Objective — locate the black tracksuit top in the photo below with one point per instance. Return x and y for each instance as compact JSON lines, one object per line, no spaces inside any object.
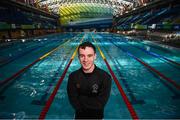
{"x":89,"y":91}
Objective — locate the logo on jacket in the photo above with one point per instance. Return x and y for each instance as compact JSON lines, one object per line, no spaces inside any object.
{"x":78,"y":85}
{"x":95,"y":88}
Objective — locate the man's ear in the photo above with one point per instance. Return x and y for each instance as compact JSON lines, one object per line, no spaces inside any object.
{"x":95,"y":56}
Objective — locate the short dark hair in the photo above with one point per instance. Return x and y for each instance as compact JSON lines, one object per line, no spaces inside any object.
{"x":86,"y":44}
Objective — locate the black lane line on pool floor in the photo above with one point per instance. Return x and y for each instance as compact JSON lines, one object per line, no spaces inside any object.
{"x":44,"y":97}
{"x":130,"y":92}
{"x":171,"y":88}
{"x":172,"y":63}
{"x":47,"y":106}
{"x":5,"y":84}
{"x":18,"y":56}
{"x":157,"y":47}
{"x":123,"y":94}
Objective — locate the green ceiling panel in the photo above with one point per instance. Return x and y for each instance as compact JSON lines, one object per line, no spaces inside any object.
{"x":81,"y":11}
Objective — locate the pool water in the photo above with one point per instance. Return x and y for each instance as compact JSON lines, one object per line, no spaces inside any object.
{"x":152,"y":96}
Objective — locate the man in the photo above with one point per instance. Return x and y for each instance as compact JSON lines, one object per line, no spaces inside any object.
{"x":88,"y":87}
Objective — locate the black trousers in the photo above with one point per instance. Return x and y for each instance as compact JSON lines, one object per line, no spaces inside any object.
{"x":89,"y":114}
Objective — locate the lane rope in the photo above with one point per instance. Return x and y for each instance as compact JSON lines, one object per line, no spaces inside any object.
{"x":43,"y":98}
{"x":53,"y":94}
{"x":2,"y":82}
{"x":176,"y":85}
{"x":21,"y":54}
{"x":124,"y":96}
{"x":133,"y":98}
{"x":154,"y":54}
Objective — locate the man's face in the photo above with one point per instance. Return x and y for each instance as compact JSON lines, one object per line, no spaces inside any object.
{"x":87,"y":57}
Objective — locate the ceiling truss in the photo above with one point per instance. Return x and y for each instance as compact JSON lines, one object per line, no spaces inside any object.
{"x":117,"y":6}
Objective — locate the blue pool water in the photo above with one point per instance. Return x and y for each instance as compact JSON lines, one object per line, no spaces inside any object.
{"x":150,"y":95}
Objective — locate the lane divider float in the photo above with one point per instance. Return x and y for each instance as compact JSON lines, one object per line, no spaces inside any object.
{"x":133,"y":99}
{"x":124,"y":96}
{"x":154,"y":54}
{"x":28,"y":66}
{"x":53,"y":94}
{"x":17,"y":56}
{"x":43,"y":98}
{"x":151,"y":68}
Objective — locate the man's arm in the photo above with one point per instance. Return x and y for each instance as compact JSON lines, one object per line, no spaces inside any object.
{"x":73,"y":94}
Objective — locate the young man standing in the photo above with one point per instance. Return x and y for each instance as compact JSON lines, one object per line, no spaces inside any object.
{"x":88,"y":87}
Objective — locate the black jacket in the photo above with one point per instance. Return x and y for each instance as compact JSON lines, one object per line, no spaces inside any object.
{"x":89,"y":90}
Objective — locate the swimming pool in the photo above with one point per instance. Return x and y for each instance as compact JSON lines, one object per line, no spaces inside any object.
{"x":147,"y":72}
